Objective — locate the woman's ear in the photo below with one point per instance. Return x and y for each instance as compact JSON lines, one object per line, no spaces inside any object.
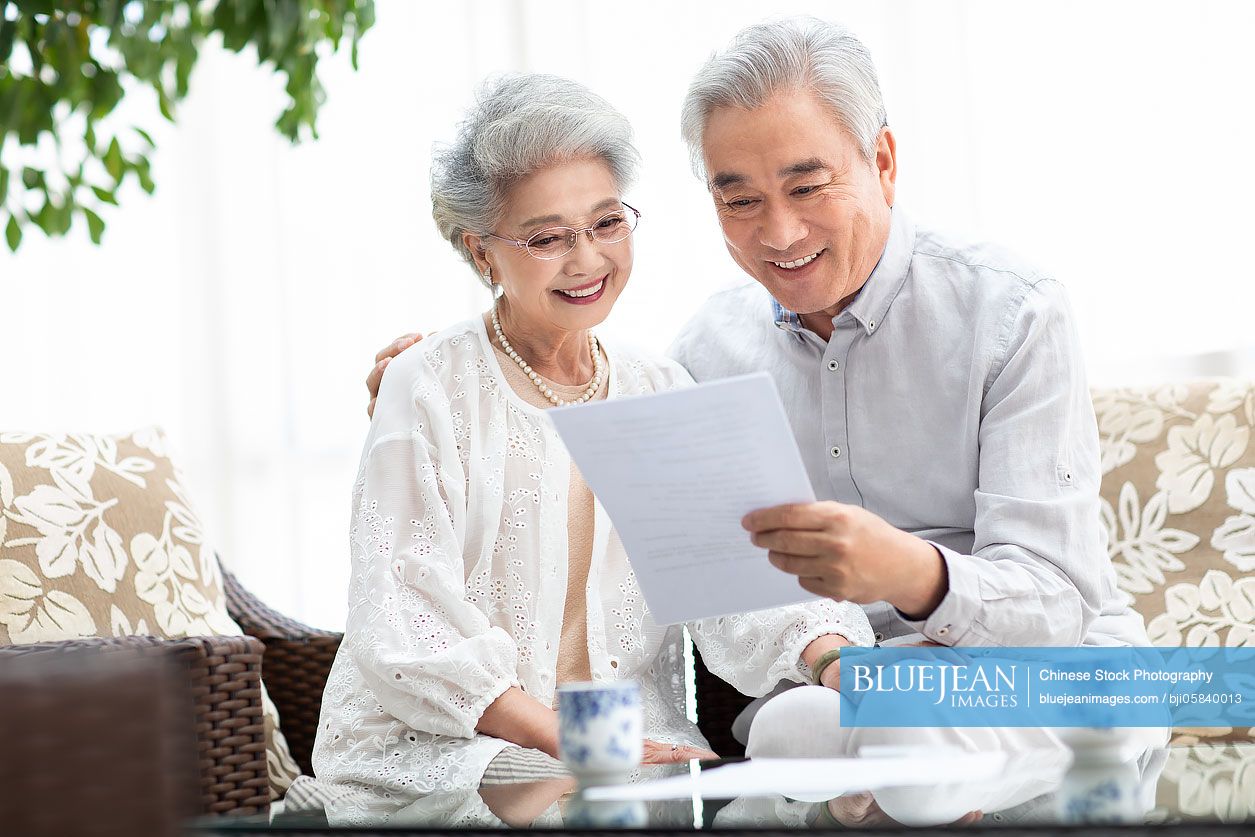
{"x":475,"y":244}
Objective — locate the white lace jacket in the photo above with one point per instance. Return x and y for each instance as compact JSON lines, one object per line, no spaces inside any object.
{"x":459,"y":556}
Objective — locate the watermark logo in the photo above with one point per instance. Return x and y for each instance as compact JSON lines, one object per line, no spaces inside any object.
{"x":1048,"y":687}
{"x":961,"y":685}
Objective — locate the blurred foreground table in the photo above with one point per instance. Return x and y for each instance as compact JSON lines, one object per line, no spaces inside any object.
{"x":1181,"y":789}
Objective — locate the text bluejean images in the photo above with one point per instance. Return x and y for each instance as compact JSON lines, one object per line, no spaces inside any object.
{"x":1048,"y":687}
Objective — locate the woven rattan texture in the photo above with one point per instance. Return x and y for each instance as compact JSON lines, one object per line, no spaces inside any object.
{"x":298,"y":660}
{"x":94,"y":744}
{"x":222,"y":676}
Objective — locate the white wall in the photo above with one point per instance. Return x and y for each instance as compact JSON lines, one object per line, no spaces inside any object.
{"x":241,"y":306}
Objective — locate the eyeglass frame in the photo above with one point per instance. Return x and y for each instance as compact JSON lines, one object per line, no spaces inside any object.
{"x":522,"y":245}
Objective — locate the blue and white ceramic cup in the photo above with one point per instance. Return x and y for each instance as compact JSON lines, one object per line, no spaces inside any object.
{"x":600,"y":729}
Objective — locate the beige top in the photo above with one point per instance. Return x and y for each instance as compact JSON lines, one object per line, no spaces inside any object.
{"x":573,"y":646}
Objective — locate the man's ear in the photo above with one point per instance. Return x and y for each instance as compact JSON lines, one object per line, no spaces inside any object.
{"x":475,"y":244}
{"x":887,"y":164}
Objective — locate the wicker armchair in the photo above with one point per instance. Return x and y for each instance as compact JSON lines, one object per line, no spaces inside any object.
{"x":223,"y":676}
{"x":297,"y":661}
{"x":220,"y":674}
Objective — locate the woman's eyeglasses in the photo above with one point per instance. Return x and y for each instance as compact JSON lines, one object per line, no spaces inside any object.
{"x":556,"y":242}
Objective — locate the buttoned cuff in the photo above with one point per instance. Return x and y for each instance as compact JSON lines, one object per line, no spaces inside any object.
{"x":948,"y":624}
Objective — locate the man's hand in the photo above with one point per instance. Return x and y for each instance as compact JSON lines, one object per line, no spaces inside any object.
{"x":847,"y":553}
{"x":659,"y":753}
{"x":384,"y":356}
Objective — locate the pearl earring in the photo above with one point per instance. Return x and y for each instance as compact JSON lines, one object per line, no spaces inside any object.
{"x":497,"y":290}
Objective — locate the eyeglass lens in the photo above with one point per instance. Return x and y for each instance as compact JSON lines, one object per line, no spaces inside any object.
{"x":556,"y":242}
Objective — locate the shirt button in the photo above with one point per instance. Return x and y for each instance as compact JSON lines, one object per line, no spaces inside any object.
{"x":879,"y":636}
{"x":834,"y":365}
{"x":836,"y":452}
{"x":871,"y":325}
{"x":943,"y":631}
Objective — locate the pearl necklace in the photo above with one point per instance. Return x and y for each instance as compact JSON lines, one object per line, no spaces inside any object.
{"x":593,"y":386}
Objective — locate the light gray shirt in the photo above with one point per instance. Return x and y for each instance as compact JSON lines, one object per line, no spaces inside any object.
{"x":951,"y":401}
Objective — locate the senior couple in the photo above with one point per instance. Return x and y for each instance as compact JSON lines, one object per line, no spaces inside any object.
{"x":935,"y":387}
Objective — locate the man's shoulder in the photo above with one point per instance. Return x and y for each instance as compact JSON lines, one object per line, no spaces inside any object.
{"x":639,"y":370}
{"x":990,"y":285}
{"x":727,"y":333}
{"x":747,"y":296}
{"x":976,"y":265}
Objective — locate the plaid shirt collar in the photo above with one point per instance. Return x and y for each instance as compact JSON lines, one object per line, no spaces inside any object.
{"x":870,"y":306}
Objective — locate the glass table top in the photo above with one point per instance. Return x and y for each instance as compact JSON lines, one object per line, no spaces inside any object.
{"x":1178,"y":785}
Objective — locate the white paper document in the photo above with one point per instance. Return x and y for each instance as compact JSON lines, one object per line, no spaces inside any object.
{"x":811,"y":779}
{"x":676,"y":471}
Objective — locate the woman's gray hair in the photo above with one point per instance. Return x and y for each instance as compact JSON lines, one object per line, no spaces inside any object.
{"x":788,"y":53}
{"x":519,"y":124}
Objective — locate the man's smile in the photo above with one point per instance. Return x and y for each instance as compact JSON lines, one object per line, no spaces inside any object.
{"x":796,"y":263}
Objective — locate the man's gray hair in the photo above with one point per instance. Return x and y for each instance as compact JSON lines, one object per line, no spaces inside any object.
{"x":803,"y":53}
{"x":519,"y":124}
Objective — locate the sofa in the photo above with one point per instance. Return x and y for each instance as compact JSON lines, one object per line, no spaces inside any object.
{"x":1178,"y":506}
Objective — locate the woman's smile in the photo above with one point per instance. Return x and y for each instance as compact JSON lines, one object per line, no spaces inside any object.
{"x":584,"y":294}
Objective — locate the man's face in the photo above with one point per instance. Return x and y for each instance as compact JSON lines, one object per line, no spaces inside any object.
{"x":802,"y":210}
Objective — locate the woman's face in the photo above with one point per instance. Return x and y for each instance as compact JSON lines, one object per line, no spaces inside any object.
{"x":538,"y":293}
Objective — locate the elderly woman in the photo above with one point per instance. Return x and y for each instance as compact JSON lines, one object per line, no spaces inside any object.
{"x":484,"y":572}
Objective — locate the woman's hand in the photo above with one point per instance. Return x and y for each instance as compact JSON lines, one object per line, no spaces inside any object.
{"x":382,"y":359}
{"x":831,"y":676}
{"x":659,"y":753}
{"x":519,"y":718}
{"x":861,"y":810}
{"x":832,"y":673}
{"x":519,"y":804}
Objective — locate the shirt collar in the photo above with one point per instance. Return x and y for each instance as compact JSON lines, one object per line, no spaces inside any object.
{"x":871,"y":304}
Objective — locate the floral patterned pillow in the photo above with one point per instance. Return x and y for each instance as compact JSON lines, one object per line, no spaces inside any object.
{"x":98,"y":538}
{"x":1178,"y":504}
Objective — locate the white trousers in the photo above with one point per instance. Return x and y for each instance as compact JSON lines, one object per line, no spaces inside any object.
{"x":806,"y":723}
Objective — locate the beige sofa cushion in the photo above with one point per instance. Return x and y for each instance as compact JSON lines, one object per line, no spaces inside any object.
{"x":99,"y":538}
{"x":1178,"y":504}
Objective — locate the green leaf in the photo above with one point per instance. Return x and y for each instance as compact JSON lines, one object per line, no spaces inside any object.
{"x":13,"y":234}
{"x":105,"y":92}
{"x":62,"y":215}
{"x":113,"y":161}
{"x":8,"y":31}
{"x":163,"y":102}
{"x":149,"y":45}
{"x":143,"y":170}
{"x":95,"y":226}
{"x":105,"y":195}
{"x":44,"y":218}
{"x":365,"y":17}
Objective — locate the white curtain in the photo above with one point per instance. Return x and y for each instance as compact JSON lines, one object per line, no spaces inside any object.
{"x":241,"y":306}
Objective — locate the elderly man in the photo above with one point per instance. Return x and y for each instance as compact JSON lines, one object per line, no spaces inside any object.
{"x":935,"y":386}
